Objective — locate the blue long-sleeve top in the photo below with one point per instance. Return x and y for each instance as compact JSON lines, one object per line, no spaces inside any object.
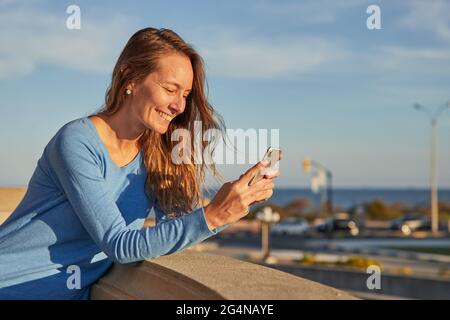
{"x":81,"y":213}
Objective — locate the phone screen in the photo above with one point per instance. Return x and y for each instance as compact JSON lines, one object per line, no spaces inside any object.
{"x":273,"y":156}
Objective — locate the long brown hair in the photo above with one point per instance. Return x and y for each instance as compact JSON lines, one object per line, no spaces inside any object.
{"x":177,"y":188}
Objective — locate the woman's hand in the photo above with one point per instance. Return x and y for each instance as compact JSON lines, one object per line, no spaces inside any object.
{"x":232,"y":200}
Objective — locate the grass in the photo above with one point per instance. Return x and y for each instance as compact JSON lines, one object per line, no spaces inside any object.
{"x":444,"y":271}
{"x":434,"y":250}
{"x":356,"y":262}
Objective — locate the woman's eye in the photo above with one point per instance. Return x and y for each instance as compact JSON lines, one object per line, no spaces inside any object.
{"x":169,"y":90}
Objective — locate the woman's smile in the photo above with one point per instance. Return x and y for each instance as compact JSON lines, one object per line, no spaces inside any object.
{"x":165,"y":116}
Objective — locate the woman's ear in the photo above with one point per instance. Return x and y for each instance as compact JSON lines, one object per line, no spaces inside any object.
{"x":130,"y":86}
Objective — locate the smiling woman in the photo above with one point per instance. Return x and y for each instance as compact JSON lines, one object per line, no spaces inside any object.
{"x":154,"y":94}
{"x":100,"y":176}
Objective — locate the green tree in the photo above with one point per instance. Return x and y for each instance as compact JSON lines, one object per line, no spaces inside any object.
{"x":378,"y":210}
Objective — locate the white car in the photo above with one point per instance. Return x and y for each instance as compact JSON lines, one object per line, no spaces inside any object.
{"x":290,"y":226}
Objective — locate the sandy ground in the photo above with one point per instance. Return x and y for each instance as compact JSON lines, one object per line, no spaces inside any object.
{"x":9,"y":199}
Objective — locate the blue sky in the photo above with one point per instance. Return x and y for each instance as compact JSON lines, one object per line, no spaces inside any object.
{"x":339,"y":93}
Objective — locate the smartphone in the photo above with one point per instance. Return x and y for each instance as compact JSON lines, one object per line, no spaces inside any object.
{"x":273,"y":156}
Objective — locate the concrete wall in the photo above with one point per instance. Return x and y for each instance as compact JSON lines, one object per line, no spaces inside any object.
{"x":197,"y":275}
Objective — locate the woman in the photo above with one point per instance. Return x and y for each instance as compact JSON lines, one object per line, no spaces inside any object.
{"x":99,"y":177}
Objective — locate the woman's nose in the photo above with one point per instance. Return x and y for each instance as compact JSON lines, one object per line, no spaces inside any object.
{"x":178,"y":106}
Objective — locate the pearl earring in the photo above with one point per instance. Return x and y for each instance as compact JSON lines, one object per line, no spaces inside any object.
{"x":128,"y":92}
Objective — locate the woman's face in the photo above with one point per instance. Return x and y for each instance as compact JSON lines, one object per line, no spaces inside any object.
{"x":162,"y":95}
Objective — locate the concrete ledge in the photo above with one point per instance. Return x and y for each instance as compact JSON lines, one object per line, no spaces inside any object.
{"x":191,"y":275}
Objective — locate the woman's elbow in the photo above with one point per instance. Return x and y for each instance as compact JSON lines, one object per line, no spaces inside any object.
{"x":123,"y":259}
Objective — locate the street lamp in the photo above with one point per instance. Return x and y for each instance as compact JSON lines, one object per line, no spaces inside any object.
{"x":267,"y":217}
{"x":307,"y":166}
{"x":434,"y":188}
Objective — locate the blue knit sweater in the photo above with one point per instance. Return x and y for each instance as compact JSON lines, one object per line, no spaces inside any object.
{"x":81,"y":213}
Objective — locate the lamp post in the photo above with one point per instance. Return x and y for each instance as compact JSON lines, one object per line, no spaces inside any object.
{"x":267,"y":217}
{"x":307,"y":165}
{"x":434,"y":165}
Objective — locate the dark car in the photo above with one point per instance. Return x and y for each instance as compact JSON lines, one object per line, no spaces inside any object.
{"x":411,"y":222}
{"x":339,"y":224}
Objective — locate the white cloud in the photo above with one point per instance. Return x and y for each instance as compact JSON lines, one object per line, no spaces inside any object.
{"x":309,"y":11}
{"x":251,"y":57}
{"x":432,"y":16}
{"x":31,"y":37}
{"x":424,"y":61}
{"x":35,"y":38}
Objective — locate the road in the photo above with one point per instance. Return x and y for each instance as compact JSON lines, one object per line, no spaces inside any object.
{"x":393,"y":261}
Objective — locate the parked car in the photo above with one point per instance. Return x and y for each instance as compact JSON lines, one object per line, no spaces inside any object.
{"x":339,"y":223}
{"x":290,"y":226}
{"x":411,"y":222}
